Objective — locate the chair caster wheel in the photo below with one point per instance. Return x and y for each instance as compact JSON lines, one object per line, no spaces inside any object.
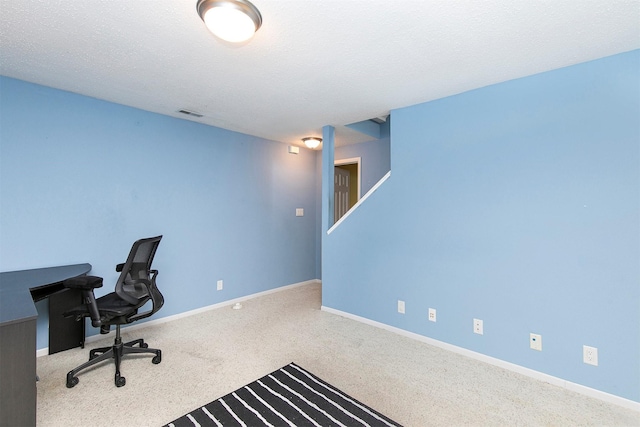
{"x":120,"y":381}
{"x":144,"y":345}
{"x":72,"y":381}
{"x":157,"y":358}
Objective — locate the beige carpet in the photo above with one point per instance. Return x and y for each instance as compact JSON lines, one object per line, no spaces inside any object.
{"x":210,"y":354}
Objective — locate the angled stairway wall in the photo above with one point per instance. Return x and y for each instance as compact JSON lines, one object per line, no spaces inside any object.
{"x":516,"y":204}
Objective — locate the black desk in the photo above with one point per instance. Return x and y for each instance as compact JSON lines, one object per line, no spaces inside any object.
{"x":18,"y":290}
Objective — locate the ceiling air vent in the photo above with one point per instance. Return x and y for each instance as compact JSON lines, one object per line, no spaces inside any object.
{"x":190,"y":113}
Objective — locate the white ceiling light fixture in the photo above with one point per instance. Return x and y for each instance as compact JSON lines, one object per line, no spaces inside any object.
{"x":312,"y":141}
{"x":231,"y":20}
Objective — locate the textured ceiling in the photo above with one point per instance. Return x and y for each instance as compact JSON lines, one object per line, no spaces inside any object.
{"x":313,"y":62}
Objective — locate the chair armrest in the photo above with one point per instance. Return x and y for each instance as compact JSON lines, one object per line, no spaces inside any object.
{"x":83,"y":282}
{"x":86,"y":284}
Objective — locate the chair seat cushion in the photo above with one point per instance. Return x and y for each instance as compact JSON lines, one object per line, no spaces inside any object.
{"x":112,"y":303}
{"x":110,"y":306}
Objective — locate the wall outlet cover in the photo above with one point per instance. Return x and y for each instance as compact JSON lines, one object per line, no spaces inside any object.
{"x":535,"y":342}
{"x":432,"y":314}
{"x":401,"y":306}
{"x":219,"y":285}
{"x":590,"y":355}
{"x":478,"y":327}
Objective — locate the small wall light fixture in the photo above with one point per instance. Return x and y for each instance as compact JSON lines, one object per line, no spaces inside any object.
{"x":312,"y":141}
{"x":231,"y":20}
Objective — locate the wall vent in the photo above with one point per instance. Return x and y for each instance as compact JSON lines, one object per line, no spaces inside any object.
{"x":190,"y":113}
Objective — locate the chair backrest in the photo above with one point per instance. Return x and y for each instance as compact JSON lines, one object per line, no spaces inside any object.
{"x":137,"y":277}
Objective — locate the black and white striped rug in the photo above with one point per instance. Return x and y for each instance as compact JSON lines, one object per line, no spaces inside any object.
{"x":290,"y":396}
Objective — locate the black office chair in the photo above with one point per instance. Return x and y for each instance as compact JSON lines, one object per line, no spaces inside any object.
{"x":135,"y":287}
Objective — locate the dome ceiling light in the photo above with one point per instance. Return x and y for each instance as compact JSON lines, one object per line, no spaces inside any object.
{"x":231,"y":20}
{"x":312,"y":141}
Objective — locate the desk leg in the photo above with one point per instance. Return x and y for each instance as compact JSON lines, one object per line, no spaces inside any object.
{"x":65,"y":332}
{"x":18,"y":374}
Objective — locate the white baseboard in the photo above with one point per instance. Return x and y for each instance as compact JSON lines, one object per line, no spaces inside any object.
{"x":221,"y":304}
{"x":133,"y":327}
{"x":578,"y":388}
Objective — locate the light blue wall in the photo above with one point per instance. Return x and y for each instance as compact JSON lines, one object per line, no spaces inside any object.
{"x":81,"y":179}
{"x":518,"y":204}
{"x":318,"y":214}
{"x":375,"y":160}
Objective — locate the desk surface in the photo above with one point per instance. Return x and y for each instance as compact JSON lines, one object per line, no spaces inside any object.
{"x":16,"y":301}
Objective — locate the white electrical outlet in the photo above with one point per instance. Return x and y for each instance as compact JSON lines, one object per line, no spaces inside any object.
{"x":590,"y":355}
{"x":535,"y":342}
{"x":477,"y":327}
{"x":219,"y":285}
{"x":400,"y":306}
{"x":432,"y":314}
